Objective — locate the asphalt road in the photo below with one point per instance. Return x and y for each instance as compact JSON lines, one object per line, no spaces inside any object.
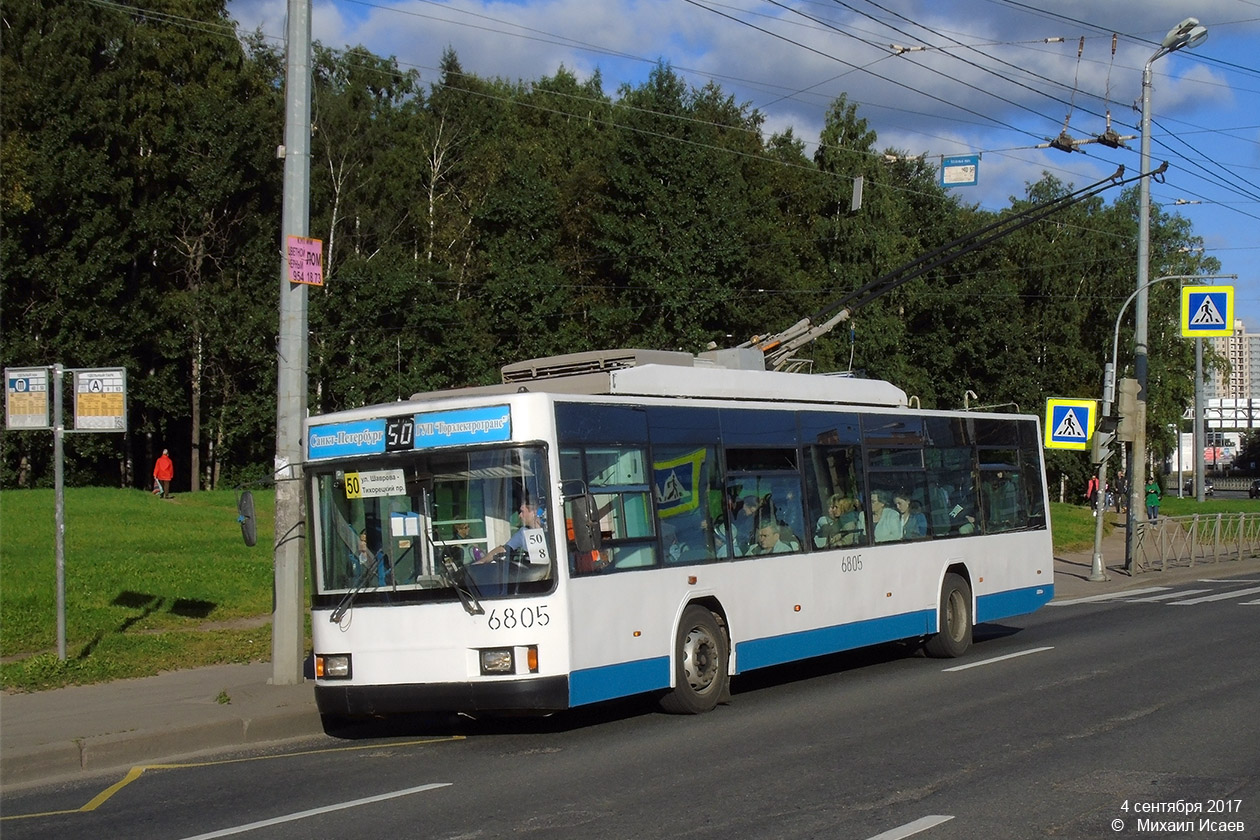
{"x":1096,"y":719}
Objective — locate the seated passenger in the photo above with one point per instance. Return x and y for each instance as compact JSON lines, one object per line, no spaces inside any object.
{"x":887,"y":520}
{"x":769,"y":541}
{"x":913,"y":522}
{"x":744,"y":528}
{"x":460,"y":531}
{"x":841,"y":525}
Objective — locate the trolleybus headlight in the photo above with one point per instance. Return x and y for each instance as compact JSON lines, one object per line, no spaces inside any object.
{"x":332,"y":666}
{"x":497,"y":661}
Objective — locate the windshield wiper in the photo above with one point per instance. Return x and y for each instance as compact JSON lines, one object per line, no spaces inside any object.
{"x":452,"y":572}
{"x":369,"y":570}
{"x":457,"y":576}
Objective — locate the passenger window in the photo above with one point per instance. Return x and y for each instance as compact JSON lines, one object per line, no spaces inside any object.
{"x":617,"y":478}
{"x":688,"y":492}
{"x":951,"y":492}
{"x":765,"y":512}
{"x":833,"y":478}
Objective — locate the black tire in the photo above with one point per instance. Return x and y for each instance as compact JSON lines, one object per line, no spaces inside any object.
{"x":955,"y":620}
{"x":701,"y":663}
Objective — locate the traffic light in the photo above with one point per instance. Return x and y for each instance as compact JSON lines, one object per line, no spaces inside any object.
{"x":1101,"y":446}
{"x":1129,"y":409}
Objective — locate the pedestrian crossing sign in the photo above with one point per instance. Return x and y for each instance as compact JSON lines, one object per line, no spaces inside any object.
{"x":1070,"y":423}
{"x":1207,"y":311}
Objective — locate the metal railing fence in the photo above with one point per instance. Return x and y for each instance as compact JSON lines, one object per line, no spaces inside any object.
{"x":1195,"y":540}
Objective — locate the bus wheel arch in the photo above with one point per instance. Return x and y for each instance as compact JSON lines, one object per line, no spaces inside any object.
{"x":956,"y":615}
{"x":701,"y":661}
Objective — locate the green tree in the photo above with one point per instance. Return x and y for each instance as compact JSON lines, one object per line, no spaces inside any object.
{"x":147,"y":182}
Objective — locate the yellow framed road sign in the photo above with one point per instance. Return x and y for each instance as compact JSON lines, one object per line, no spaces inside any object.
{"x":1207,"y":311}
{"x":1070,"y":423}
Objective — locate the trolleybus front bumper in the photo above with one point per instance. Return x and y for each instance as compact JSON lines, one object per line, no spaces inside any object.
{"x":540,"y":694}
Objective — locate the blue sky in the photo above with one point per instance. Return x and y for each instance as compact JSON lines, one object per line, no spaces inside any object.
{"x":996,"y":78}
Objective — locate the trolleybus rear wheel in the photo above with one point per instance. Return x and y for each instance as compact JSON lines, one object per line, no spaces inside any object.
{"x":701,"y":657}
{"x":954,"y":636}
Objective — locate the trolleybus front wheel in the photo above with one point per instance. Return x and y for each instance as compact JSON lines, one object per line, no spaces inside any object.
{"x":954,"y":636}
{"x":701,"y":657}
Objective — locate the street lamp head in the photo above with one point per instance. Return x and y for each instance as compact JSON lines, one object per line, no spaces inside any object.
{"x":1197,"y":36}
{"x":1188,"y":33}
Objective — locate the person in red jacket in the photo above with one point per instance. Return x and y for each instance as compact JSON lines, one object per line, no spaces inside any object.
{"x":163,"y":472}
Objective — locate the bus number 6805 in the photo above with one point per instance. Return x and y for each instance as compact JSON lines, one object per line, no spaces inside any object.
{"x":510,"y":618}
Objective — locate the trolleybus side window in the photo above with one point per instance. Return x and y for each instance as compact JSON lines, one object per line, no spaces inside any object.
{"x":835,"y":506}
{"x":764,"y":486}
{"x":1010,"y":496}
{"x":949,"y":457}
{"x":898,"y":477}
{"x":687,"y":486}
{"x":617,"y":477}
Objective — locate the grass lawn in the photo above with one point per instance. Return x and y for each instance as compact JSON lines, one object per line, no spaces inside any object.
{"x":155,"y":585}
{"x":151,"y":585}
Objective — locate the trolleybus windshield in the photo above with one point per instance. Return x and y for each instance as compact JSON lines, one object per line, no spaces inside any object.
{"x":414,"y":527}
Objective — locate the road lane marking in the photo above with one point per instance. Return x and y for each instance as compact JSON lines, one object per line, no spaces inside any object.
{"x":912,"y":828}
{"x":1166,"y":595}
{"x":138,"y":770}
{"x":996,"y":659}
{"x":1111,"y":596}
{"x":1220,"y":596}
{"x":315,"y":812}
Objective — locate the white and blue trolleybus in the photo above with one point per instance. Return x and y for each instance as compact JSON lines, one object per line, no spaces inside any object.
{"x":621,"y":523}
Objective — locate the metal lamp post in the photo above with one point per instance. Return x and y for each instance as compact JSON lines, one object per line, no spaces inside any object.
{"x":1188,"y":33}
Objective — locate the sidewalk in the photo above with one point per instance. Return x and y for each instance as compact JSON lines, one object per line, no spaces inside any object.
{"x":67,"y":732}
{"x":70,"y":732}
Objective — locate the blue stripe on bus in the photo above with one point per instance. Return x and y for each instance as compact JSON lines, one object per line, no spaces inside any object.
{"x":1012,"y":602}
{"x":775,"y":650}
{"x":591,"y":685}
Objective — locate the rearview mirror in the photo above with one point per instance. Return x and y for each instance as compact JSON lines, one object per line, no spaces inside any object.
{"x":245,"y":515}
{"x":585,"y":519}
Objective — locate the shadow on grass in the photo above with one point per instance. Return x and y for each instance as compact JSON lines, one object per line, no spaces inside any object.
{"x":147,"y":605}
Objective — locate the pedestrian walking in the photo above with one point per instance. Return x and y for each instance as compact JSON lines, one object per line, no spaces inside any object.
{"x":1153,"y":496}
{"x":163,"y":474}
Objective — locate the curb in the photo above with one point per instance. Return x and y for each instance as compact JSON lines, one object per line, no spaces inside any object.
{"x":98,"y":754}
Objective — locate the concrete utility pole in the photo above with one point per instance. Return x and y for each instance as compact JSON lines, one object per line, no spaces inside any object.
{"x":1190,"y":34}
{"x":287,"y":626}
